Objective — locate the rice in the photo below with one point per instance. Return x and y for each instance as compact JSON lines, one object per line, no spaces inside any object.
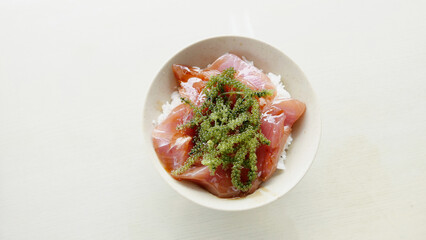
{"x":281,"y":93}
{"x":276,"y":80}
{"x":168,"y":107}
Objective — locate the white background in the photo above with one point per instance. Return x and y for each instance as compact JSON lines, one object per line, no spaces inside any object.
{"x":74,"y":74}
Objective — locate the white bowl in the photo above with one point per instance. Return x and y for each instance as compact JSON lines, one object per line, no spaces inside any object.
{"x":306,"y":132}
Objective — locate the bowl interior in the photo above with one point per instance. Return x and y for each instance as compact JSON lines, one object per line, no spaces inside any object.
{"x":306,"y":132}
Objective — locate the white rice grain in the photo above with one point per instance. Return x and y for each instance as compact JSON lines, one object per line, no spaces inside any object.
{"x":168,"y":107}
{"x":281,"y":93}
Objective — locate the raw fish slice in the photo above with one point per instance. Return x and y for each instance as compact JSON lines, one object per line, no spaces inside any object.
{"x":276,"y":123}
{"x":192,"y":81}
{"x":172,"y":146}
{"x":292,"y":108}
{"x":246,"y":73}
{"x":183,"y":73}
{"x":219,"y":184}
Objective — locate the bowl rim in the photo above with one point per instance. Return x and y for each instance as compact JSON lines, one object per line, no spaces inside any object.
{"x":269,"y":200}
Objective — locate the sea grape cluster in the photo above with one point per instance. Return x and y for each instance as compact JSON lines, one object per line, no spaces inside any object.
{"x":227,"y":126}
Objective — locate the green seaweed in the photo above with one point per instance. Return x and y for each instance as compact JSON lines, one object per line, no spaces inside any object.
{"x":227,"y":128}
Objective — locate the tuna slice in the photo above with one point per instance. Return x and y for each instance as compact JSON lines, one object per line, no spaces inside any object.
{"x":277,"y":121}
{"x":192,"y":81}
{"x":173,"y":146}
{"x":248,"y":74}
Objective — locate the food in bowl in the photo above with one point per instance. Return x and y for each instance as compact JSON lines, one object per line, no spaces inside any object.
{"x":229,"y":128}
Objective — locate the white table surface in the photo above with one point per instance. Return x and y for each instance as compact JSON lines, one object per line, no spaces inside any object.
{"x":73,"y":76}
